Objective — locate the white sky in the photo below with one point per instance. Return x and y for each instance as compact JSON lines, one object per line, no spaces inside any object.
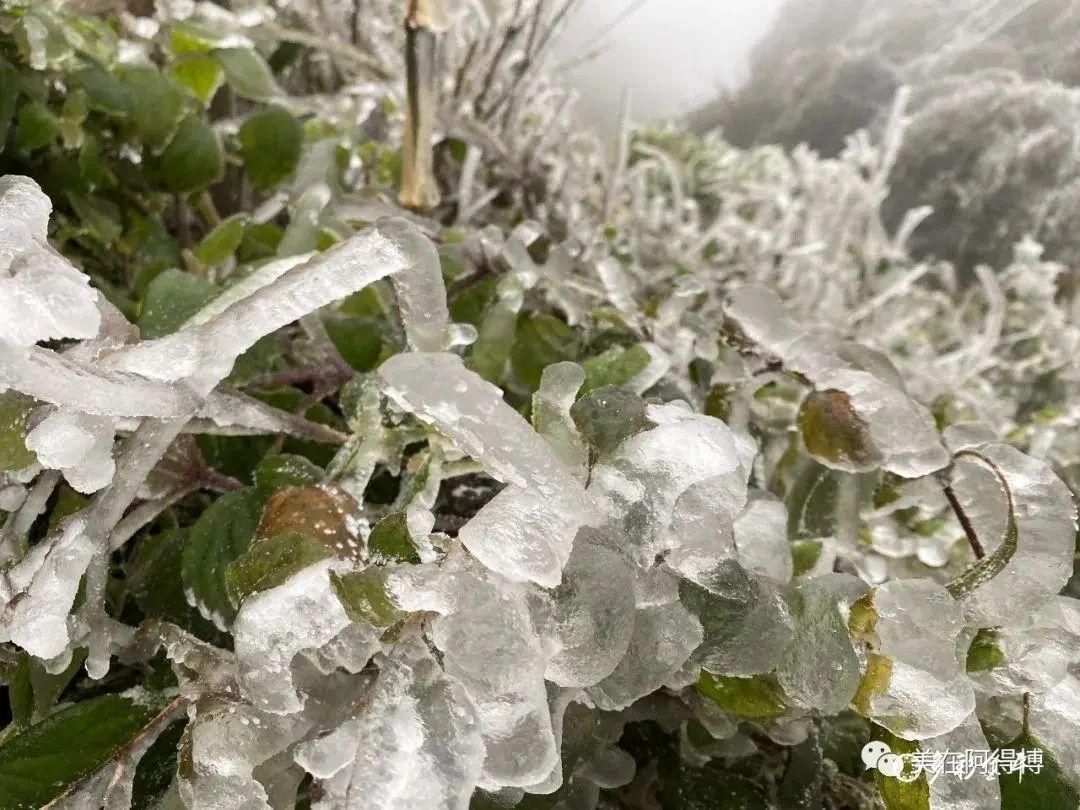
{"x":673,"y":54}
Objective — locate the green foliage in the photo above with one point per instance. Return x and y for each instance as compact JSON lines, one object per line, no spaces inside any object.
{"x":756,"y":698}
{"x":270,"y":144}
{"x":40,"y":763}
{"x":221,"y":535}
{"x":1048,"y":788}
{"x":540,"y":341}
{"x":193,"y":159}
{"x":15,"y":409}
{"x":390,"y":540}
{"x":171,"y":298}
{"x":268,"y":563}
{"x":364,"y":596}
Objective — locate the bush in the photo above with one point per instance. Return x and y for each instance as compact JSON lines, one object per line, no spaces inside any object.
{"x":382,"y":446}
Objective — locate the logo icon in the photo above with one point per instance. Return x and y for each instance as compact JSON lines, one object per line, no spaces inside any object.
{"x":878,"y":755}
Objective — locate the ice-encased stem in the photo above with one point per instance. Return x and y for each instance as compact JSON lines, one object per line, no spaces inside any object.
{"x":393,"y":247}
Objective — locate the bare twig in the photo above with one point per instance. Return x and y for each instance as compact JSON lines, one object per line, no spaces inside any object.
{"x":969,"y":530}
{"x":423,"y":22}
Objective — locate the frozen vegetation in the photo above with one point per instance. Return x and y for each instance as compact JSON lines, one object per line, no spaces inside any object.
{"x":371,"y":437}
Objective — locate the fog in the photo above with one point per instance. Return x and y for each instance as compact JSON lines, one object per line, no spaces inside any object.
{"x":673,"y":54}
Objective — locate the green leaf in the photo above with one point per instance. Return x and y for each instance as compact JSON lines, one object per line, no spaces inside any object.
{"x":157,"y":768}
{"x":222,"y":534}
{"x":842,"y":739}
{"x":390,"y":540}
{"x":221,"y":243}
{"x":616,"y":366}
{"x":201,"y":74}
{"x":359,"y":340}
{"x":364,"y":597}
{"x":834,"y":434}
{"x":248,"y":73}
{"x":812,"y":502}
{"x":38,"y":127}
{"x":804,"y":555}
{"x":270,"y":144}
{"x":40,"y":763}
{"x":491,"y":351}
{"x":173,"y":297}
{"x":984,"y":652}
{"x":190,"y":38}
{"x":608,"y":416}
{"x":155,"y":580}
{"x":541,"y":340}
{"x":15,"y":409}
{"x":193,"y":159}
{"x":268,"y":563}
{"x":1049,"y":788}
{"x":67,"y":503}
{"x":756,"y":698}
{"x":156,"y":104}
{"x":105,"y":93}
{"x":260,"y":242}
{"x":993,"y":564}
{"x":896,"y":793}
{"x":101,"y":217}
{"x":285,"y":470}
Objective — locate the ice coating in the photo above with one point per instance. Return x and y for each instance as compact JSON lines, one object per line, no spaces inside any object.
{"x":91,"y":389}
{"x":416,"y":745}
{"x":24,"y":213}
{"x":746,"y":623}
{"x":39,"y":301}
{"x":1046,"y":532}
{"x":489,"y":645}
{"x":206,"y":352}
{"x":275,"y":625}
{"x":594,"y":615}
{"x":49,"y":578}
{"x":928,"y":692}
{"x":761,"y":542}
{"x":77,"y":444}
{"x":900,"y":429}
{"x":819,"y":669}
{"x":1037,"y":654}
{"x":961,"y":794}
{"x":639,"y":486}
{"x":664,"y":637}
{"x":526,"y":531}
{"x":559,"y":384}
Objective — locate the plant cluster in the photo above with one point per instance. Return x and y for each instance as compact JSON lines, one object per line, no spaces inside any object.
{"x":371,"y":437}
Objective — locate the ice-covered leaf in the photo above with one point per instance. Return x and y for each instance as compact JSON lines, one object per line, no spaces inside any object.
{"x":525,"y":533}
{"x":758,"y":697}
{"x":664,"y":637}
{"x":15,"y":409}
{"x":41,"y":763}
{"x":391,"y":540}
{"x":325,"y":514}
{"x":1050,"y":787}
{"x":415,"y":746}
{"x":922,"y":691}
{"x":594,"y":615}
{"x":608,"y":415}
{"x":616,"y":366}
{"x":267,"y":563}
{"x":747,"y":625}
{"x":273,"y":626}
{"x":820,"y":669}
{"x":541,"y":341}
{"x":856,"y":420}
{"x":77,"y":444}
{"x":364,"y":596}
{"x":282,"y":470}
{"x":1025,"y":518}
